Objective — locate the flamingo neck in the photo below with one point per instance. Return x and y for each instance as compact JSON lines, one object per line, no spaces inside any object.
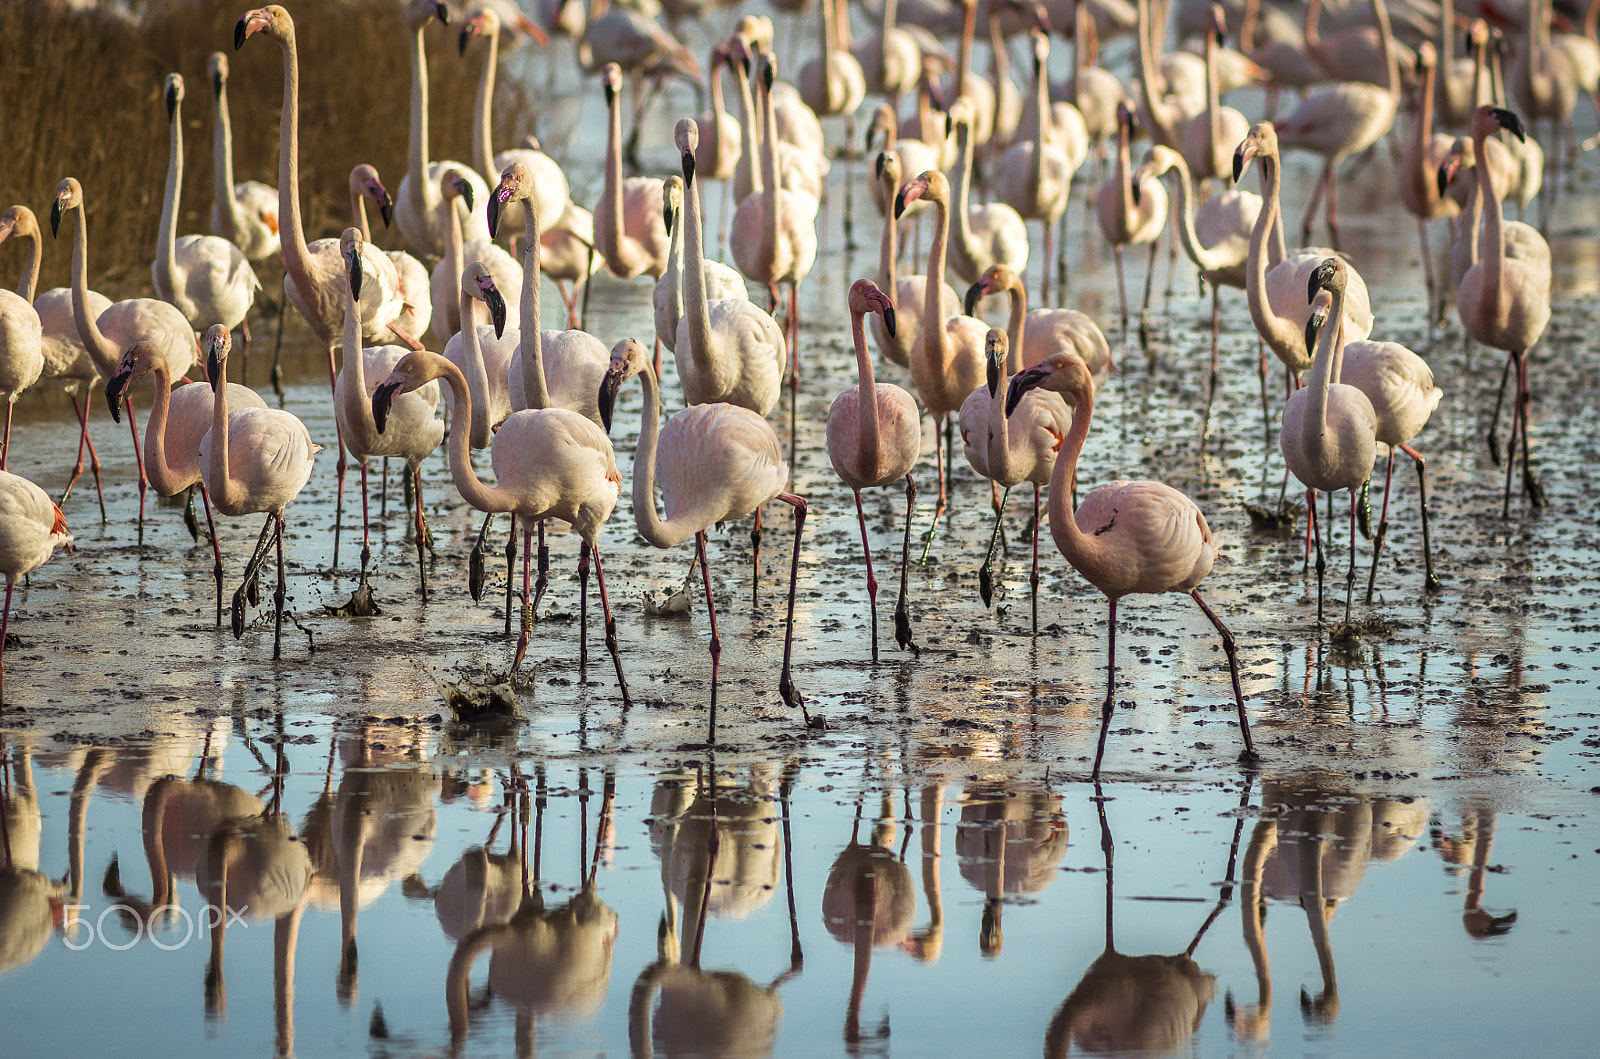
{"x":768,"y":245}
{"x":352,"y":391}
{"x":719,"y":111}
{"x":650,"y":524}
{"x":473,"y":490}
{"x":154,"y":817}
{"x":1447,"y":34}
{"x":1015,"y":325}
{"x":969,"y":32}
{"x":1203,"y":258}
{"x":933,"y":336}
{"x":829,"y":41}
{"x":891,"y":9}
{"x":1081,"y":549}
{"x":477,"y":373}
{"x":161,"y":473}
{"x":358,"y":211}
{"x":227,"y":209}
{"x":1492,"y":251}
{"x":291,"y":230}
{"x":226,"y":490}
{"x":609,"y":235}
{"x":1313,"y":31}
{"x":1124,"y":174}
{"x":1472,"y":217}
{"x":867,"y":428}
{"x":750,"y":123}
{"x":1213,"y":100}
{"x":1161,"y":131}
{"x":162,"y":273}
{"x":453,"y":255}
{"x":887,"y":264}
{"x":417,"y":139}
{"x":1247,"y":27}
{"x":961,"y":177}
{"x":535,"y":389}
{"x":101,"y":349}
{"x":482,"y":120}
{"x":1391,"y":67}
{"x":1324,"y":374}
{"x":30,"y":266}
{"x":696,"y":308}
{"x":1041,"y":103}
{"x":1279,"y":332}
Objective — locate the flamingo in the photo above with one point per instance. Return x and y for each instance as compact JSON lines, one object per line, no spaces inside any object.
{"x":1420,"y":193}
{"x":65,"y":357}
{"x":207,"y":277}
{"x":444,"y":281}
{"x":1341,"y":120}
{"x":718,"y":462}
{"x":416,"y":313}
{"x":548,"y":463}
{"x":726,"y":349}
{"x":1126,"y":536}
{"x":1544,"y":82}
{"x":1353,"y":53}
{"x":800,"y":168}
{"x":1009,"y":454}
{"x":1329,"y":433}
{"x":253,"y":460}
{"x":874,"y":439}
{"x":627,"y":223}
{"x":1161,"y":114}
{"x":721,"y":280}
{"x":122,"y":323}
{"x":550,"y":369}
{"x":891,"y":59}
{"x":983,"y":235}
{"x":1504,"y":302}
{"x":31,"y":528}
{"x":1216,"y":239}
{"x":832,"y":84}
{"x":1131,"y":212}
{"x":635,"y":43}
{"x":1279,"y":48}
{"x":946,"y":362}
{"x":415,"y":432}
{"x":314,"y":272}
{"x":1093,"y":90}
{"x":21,"y":339}
{"x":1521,"y":241}
{"x":421,"y":221}
{"x":245,"y":214}
{"x":775,"y":229}
{"x":1207,"y":138}
{"x":907,"y":294}
{"x":1036,"y":175}
{"x":1034,"y":334}
{"x":1456,"y":76}
{"x":911,"y":156}
{"x":178,"y":420}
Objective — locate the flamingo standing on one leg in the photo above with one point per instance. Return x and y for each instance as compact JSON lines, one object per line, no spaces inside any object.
{"x":31,"y":528}
{"x":718,"y":462}
{"x":874,"y":439}
{"x":1127,"y":536}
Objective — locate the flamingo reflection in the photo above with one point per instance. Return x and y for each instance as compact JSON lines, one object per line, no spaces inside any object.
{"x":1468,"y":851}
{"x":1009,"y":842}
{"x":31,"y":903}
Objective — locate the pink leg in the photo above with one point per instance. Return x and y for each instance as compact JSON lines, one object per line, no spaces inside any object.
{"x":716,"y":641}
{"x":216,"y":550}
{"x":1333,"y":205}
{"x":872,"y":582}
{"x":366,"y":547}
{"x":138,"y":455}
{"x":527,"y":604}
{"x":786,"y":689}
{"x":611,"y":627}
{"x":5,"y":621}
{"x":422,"y":532}
{"x":1383,"y":526}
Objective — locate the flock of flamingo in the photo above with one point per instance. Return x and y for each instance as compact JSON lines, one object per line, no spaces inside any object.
{"x":543,"y":401}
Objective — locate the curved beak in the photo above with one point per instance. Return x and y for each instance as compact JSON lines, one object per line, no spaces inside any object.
{"x":1241,"y":159}
{"x":441,"y":12}
{"x":1314,"y":326}
{"x":1447,"y":170}
{"x":975,"y":293}
{"x":172,"y":101}
{"x":1134,"y":190}
{"x":1511,"y":123}
{"x":353,"y":264}
{"x":55,"y":218}
{"x":497,"y":310}
{"x":496,"y":203}
{"x":1022,"y":382}
{"x":609,"y":386}
{"x":214,"y":368}
{"x":382,"y":399}
{"x":466,"y":194}
{"x":888,"y":319}
{"x":688,"y":171}
{"x":116,"y":386}
{"x":386,"y":208}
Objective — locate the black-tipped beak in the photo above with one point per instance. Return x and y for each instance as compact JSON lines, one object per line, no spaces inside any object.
{"x":1314,"y":328}
{"x":217,"y":83}
{"x":611,"y":94}
{"x":386,"y":209}
{"x":115,"y":387}
{"x":382,"y":399}
{"x":466,"y":194}
{"x":609,"y":386}
{"x":899,"y":203}
{"x":239,"y":34}
{"x":214,"y":369}
{"x":1511,"y":123}
{"x":1022,"y":382}
{"x":669,"y":217}
{"x":1442,"y":178}
{"x":992,"y":369}
{"x":688,"y":171}
{"x":55,"y":218}
{"x":172,"y":101}
{"x":969,"y":304}
{"x":442,"y":13}
{"x":1239,"y":161}
{"x":1320,"y":278}
{"x":353,"y":264}
{"x":1134,"y":190}
{"x":497,"y":310}
{"x":493,"y":211}
{"x":461,"y":42}
{"x":888,"y":319}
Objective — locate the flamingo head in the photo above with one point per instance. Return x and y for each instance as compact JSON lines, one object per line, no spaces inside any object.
{"x":69,"y":195}
{"x":218,"y":343}
{"x":1063,"y":373}
{"x":931,"y":185}
{"x":1426,"y":57}
{"x":1157,"y":162}
{"x":1321,"y":306}
{"x":757,"y":31}
{"x":960,"y":112}
{"x":867,"y":297}
{"x":1486,"y":120}
{"x":516,"y":182}
{"x":887,"y":168}
{"x":767,"y":69}
{"x":454,"y":184}
{"x":995,"y":347}
{"x":477,"y":282}
{"x":419,"y":13}
{"x":686,"y":135}
{"x":1330,"y":275}
{"x":17,"y":219}
{"x":671,"y":201}
{"x":350,"y":244}
{"x":415,"y":369}
{"x":1219,"y":23}
{"x":1477,"y":34}
{"x":364,"y":180}
{"x":1262,"y":139}
{"x":1452,"y":163}
{"x":738,"y":55}
{"x":137,"y":361}
{"x":272,"y":18}
{"x":483,"y":23}
{"x":173,"y":94}
{"x":611,"y":79}
{"x":628,"y":358}
{"x":217,"y":67}
{"x":1041,"y":46}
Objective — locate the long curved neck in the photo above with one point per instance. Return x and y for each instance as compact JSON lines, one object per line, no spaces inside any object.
{"x":1492,"y":251}
{"x":969,"y":30}
{"x":1041,"y":102}
{"x":887,"y":265}
{"x":961,"y":178}
{"x":1213,"y":95}
{"x":719,"y":108}
{"x":535,"y":391}
{"x":295,"y":254}
{"x":161,"y":473}
{"x":1078,"y":546}
{"x":222,"y":166}
{"x":1015,"y":325}
{"x":1324,"y":373}
{"x":1247,"y":27}
{"x":1279,"y":331}
{"x":352,"y":371}
{"x":649,"y":522}
{"x":1313,"y":33}
{"x":999,"y":439}
{"x":932,"y":312}
{"x":1391,"y":67}
{"x":482,"y":127}
{"x":1472,"y":217}
{"x":1203,"y":258}
{"x":1080,"y":50}
{"x":769,"y":175}
{"x":452,"y":250}
{"x":867,"y":431}
{"x":358,"y":212}
{"x":891,"y":9}
{"x":101,"y":349}
{"x":167,"y":234}
{"x":1422,"y":135}
{"x":477,"y":373}
{"x":697,"y":311}
{"x":30,"y":266}
{"x":1447,"y":34}
{"x":226,"y":491}
{"x":417,"y":143}
{"x":472,"y":489}
{"x":1123,"y":172}
{"x":750,"y":125}
{"x":1161,"y":132}
{"x":610,"y":234}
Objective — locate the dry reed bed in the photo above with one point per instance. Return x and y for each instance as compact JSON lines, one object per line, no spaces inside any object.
{"x":80,"y":95}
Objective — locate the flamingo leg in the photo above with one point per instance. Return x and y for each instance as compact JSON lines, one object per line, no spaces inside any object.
{"x":280,"y":595}
{"x":511,"y":568}
{"x":277,"y":349}
{"x":793,"y":337}
{"x":423,"y":538}
{"x":216,"y":550}
{"x":985,"y":573}
{"x":1311,"y":207}
{"x":475,"y":565}
{"x":1430,"y":583}
{"x":540,"y":583}
{"x":755,"y":560}
{"x":1383,"y":526}
{"x":1109,"y":705}
{"x":1427,"y":272}
{"x":1211,"y":390}
{"x":872,"y":582}
{"x":786,"y":690}
{"x":527,"y":607}
{"x":366,"y":548}
{"x":938,"y":511}
{"x":715,"y":646}
{"x":1266,"y":414}
{"x":5,"y":621}
{"x":1314,"y":528}
{"x":1530,"y":484}
{"x":1061,"y":257}
{"x":1350,"y":577}
{"x":611,"y":626}
{"x":251,"y":570}
{"x":1044,"y":266}
{"x":902,"y":617}
{"x":1494,"y":419}
{"x":583,"y":608}
{"x":1033,"y":576}
{"x":1333,"y":206}
{"x":1122,"y":292}
{"x":1248,"y":757}
{"x":84,"y":441}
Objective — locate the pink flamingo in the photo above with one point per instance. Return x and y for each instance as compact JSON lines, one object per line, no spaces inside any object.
{"x":245,"y":214}
{"x":21,"y":343}
{"x":627,"y":223}
{"x":874,"y":439}
{"x":31,"y":528}
{"x":1127,"y":536}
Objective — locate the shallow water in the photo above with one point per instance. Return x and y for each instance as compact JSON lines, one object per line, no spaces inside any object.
{"x":1441,"y":770}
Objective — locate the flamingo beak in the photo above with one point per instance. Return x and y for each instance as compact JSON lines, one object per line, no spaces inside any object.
{"x":1135,"y":191}
{"x":353,"y":265}
{"x":888,"y":318}
{"x":385,"y":208}
{"x":609,"y":386}
{"x":1022,"y":382}
{"x":215,"y":369}
{"x":688,"y":171}
{"x":1314,"y":327}
{"x":969,"y":304}
{"x":382,"y":400}
{"x":116,"y":386}
{"x":55,"y":218}
{"x":497,"y":310}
